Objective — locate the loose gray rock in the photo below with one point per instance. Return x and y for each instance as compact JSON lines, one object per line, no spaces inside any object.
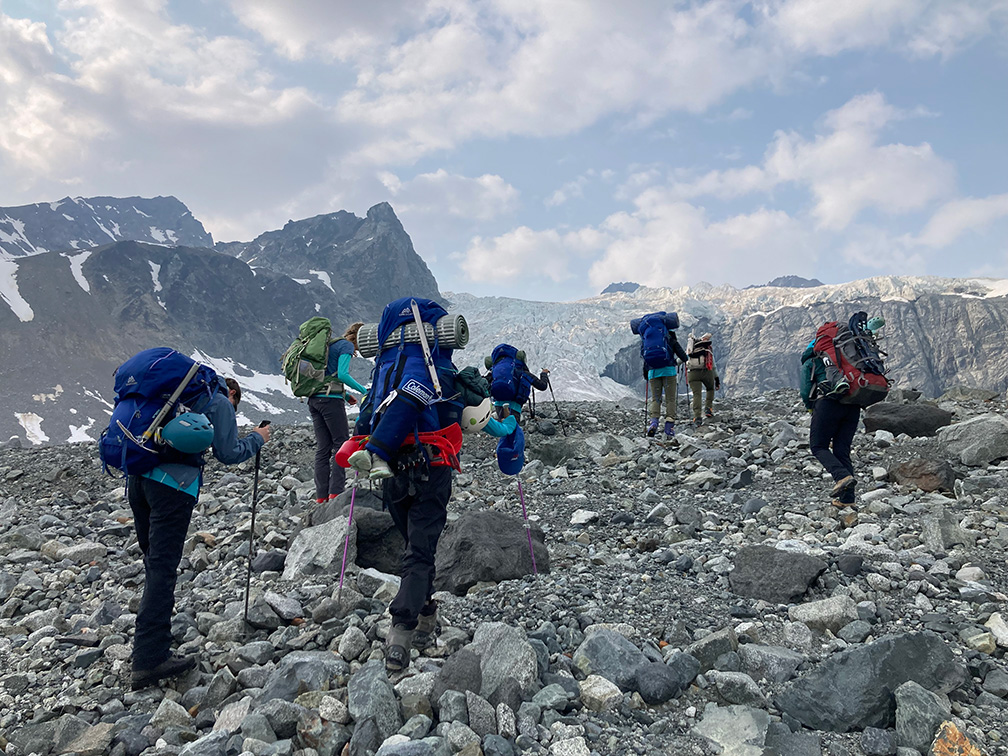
{"x":915,"y":420}
{"x":919,"y":714}
{"x":371,"y":696}
{"x":774,"y":575}
{"x":609,"y":654}
{"x":977,"y":441}
{"x":926,"y":474}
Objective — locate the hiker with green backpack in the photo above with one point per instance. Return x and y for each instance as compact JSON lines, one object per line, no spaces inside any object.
{"x":317,"y":369}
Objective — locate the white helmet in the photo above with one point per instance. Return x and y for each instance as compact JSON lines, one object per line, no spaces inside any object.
{"x":474,"y":418}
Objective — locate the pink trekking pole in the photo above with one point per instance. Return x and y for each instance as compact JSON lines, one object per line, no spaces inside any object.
{"x":528,"y":529}
{"x":346,"y":543}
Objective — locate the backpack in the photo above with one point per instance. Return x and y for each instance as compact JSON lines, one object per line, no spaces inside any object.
{"x":403,"y":368}
{"x":305,"y":361}
{"x":151,"y":388}
{"x":852,"y":361}
{"x":511,"y":380}
{"x":654,"y":332}
{"x":701,"y":355}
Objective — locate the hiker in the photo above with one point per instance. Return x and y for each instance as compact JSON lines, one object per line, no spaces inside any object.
{"x":701,"y":374}
{"x":834,"y":417}
{"x":413,"y":437}
{"x":659,"y":350}
{"x":162,"y":501}
{"x":511,"y":382}
{"x":328,"y":414}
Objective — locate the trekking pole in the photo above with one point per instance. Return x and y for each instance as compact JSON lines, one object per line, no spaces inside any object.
{"x":255,"y":497}
{"x":528,"y":528}
{"x":346,"y":543}
{"x":556,"y":406}
{"x":532,"y":407}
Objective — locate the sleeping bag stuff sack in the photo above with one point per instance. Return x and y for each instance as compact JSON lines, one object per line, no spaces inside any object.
{"x":511,"y":452}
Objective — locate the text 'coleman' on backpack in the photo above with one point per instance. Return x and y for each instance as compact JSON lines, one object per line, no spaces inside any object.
{"x":853,"y":367}
{"x":654,"y":330}
{"x":159,"y":395}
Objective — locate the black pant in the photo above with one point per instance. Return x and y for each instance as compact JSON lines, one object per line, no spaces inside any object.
{"x":161,"y":516}
{"x":834,"y":424}
{"x":418,"y":503}
{"x":329,"y":419}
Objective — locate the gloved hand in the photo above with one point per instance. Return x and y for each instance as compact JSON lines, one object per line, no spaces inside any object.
{"x":717,"y":384}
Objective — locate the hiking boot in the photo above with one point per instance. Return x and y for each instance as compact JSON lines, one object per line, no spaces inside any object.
{"x":397,"y":646}
{"x":170,"y":667}
{"x":669,"y":429}
{"x":426,"y":627}
{"x":696,"y":422}
{"x":652,"y":427}
{"x":379,"y":469}
{"x":709,"y":413}
{"x":843,"y":486}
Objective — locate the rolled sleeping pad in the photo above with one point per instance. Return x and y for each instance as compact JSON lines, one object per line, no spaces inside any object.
{"x":452,"y":332}
{"x":671,"y":321}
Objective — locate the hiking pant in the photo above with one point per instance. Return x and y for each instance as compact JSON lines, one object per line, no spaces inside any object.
{"x":834,"y":424}
{"x":161,"y":516}
{"x":699,"y":380}
{"x":328,"y":416}
{"x":418,"y":502}
{"x":656,"y":386}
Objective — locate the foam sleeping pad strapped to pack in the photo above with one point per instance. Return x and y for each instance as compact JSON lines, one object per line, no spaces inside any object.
{"x":451,"y":331}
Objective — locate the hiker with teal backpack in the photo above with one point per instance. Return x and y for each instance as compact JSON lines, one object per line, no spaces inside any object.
{"x":168,"y":411}
{"x":659,"y":350}
{"x":825,"y":389}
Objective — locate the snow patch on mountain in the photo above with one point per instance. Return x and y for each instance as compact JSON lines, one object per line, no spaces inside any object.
{"x":79,"y":433}
{"x":9,"y":291}
{"x":324,"y":278}
{"x":77,"y":268}
{"x":255,"y":386}
{"x":32,"y":425}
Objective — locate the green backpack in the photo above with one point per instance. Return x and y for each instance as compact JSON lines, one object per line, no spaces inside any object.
{"x":304,"y":362}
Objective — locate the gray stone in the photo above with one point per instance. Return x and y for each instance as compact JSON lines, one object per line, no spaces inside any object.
{"x":609,"y":654}
{"x":851,"y":690}
{"x":453,"y":707}
{"x":318,"y":550}
{"x":599,"y":694}
{"x":912,"y":419}
{"x":213,"y":744}
{"x":856,"y":631}
{"x":231,"y":716}
{"x":775,"y":664}
{"x":878,"y":742}
{"x":95,"y":741}
{"x":919,"y":714}
{"x":486,"y":546}
{"x":504,"y":652}
{"x":169,"y":714}
{"x":411,"y":748}
{"x":282,"y":716}
{"x":416,"y":727}
{"x":711,"y":647}
{"x":780,"y":741}
{"x":221,"y":686}
{"x":826,"y":614}
{"x":371,"y":695}
{"x":287,"y":608}
{"x":929,"y":475}
{"x":257,"y":726}
{"x":977,"y":441}
{"x":461,"y":671}
{"x":569,"y":747}
{"x":774,"y":575}
{"x":301,"y":671}
{"x":996,"y":683}
{"x":658,"y":683}
{"x":737,"y":688}
{"x":735,"y":730}
{"x":353,"y":643}
{"x":482,"y":719}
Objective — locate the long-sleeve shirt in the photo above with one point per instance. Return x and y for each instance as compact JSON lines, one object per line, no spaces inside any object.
{"x":341,"y":352}
{"x":501,"y":428}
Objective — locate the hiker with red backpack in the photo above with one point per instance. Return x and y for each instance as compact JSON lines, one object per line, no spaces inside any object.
{"x":701,"y":374}
{"x":842,"y":372}
{"x":659,"y":350}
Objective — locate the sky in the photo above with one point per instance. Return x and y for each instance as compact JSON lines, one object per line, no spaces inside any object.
{"x":537,"y":149}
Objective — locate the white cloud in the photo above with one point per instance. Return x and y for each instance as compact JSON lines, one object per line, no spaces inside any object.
{"x":482,"y":198}
{"x":955,"y":25}
{"x":846,"y":169}
{"x":826,"y":27}
{"x":959,"y":216}
{"x":523,"y":251}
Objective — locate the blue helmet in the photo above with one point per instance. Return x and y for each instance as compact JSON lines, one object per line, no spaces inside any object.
{"x":189,"y":433}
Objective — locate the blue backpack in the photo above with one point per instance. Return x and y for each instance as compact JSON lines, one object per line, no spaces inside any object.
{"x":511,"y":380}
{"x":654,"y":332}
{"x":511,"y":452}
{"x":151,"y":388}
{"x":403,"y":368}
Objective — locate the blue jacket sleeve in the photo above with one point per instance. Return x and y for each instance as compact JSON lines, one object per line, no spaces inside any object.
{"x":501,"y":428}
{"x":343,"y":373}
{"x":227,"y":447}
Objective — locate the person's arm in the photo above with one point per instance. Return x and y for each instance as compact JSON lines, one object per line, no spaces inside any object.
{"x":343,"y":373}
{"x":678,"y":350}
{"x":501,"y":428}
{"x":806,"y":382}
{"x":542,"y":382}
{"x":227,"y":447}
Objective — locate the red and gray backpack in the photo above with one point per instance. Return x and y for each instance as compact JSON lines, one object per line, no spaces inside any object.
{"x":855,"y":372}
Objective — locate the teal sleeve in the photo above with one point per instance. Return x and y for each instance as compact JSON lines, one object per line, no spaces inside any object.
{"x":806,"y":382}
{"x":343,"y":373}
{"x":501,"y":428}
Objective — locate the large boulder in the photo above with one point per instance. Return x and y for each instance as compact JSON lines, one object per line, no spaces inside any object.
{"x":609,"y":654}
{"x":504,"y":652}
{"x":913,"y":419}
{"x":302,"y":671}
{"x":856,"y":688}
{"x":370,"y":696}
{"x":379,"y":542}
{"x":486,"y":546}
{"x":780,"y":577}
{"x":318,"y":550}
{"x":929,"y":475}
{"x":977,"y":441}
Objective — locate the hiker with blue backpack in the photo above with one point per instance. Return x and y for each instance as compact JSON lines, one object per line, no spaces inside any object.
{"x":169,"y":410}
{"x":511,"y":382}
{"x":835,"y":385}
{"x":659,"y":350}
